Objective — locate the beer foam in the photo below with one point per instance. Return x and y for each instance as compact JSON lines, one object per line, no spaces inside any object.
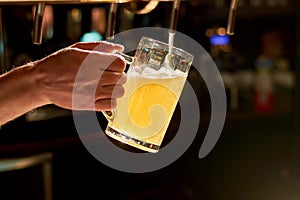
{"x":149,"y":72}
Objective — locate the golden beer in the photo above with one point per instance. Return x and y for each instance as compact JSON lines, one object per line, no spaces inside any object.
{"x":146,"y":109}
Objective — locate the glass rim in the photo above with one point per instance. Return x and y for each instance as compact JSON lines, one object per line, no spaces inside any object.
{"x":188,"y":55}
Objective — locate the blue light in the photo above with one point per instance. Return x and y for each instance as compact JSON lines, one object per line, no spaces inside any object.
{"x":219,"y":40}
{"x":91,"y":37}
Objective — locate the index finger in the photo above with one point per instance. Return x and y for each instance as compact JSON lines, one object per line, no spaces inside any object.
{"x":106,"y":61}
{"x":102,"y":46}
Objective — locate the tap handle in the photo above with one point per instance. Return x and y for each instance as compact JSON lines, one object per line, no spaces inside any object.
{"x":232,"y":16}
{"x":174,"y":16}
{"x":111,"y":21}
{"x":38,"y":23}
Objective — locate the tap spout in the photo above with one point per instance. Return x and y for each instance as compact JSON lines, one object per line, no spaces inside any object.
{"x":174,"y":16}
{"x":232,"y":16}
{"x":38,"y":23}
{"x":112,"y":15}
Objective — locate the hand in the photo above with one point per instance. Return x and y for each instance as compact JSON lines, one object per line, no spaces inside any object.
{"x":97,"y":74}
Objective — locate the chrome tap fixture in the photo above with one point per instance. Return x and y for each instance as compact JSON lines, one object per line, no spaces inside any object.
{"x":174,"y":16}
{"x":232,"y":16}
{"x":38,"y":23}
{"x":112,"y":15}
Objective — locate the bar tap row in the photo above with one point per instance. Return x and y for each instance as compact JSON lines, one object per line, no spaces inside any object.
{"x":39,"y":12}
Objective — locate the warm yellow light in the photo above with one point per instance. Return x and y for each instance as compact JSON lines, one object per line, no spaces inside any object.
{"x":221,"y":31}
{"x":209,"y":32}
{"x":148,"y":8}
{"x":76,"y":14}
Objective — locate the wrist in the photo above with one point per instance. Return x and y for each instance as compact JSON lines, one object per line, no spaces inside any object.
{"x":37,"y":82}
{"x":19,"y":92}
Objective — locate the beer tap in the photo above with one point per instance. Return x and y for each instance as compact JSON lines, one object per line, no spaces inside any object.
{"x":112,"y":15}
{"x":232,"y":16}
{"x":38,"y":23}
{"x":173,"y":22}
{"x":174,"y":16}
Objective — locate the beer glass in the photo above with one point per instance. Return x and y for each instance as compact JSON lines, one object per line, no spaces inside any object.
{"x":155,"y":79}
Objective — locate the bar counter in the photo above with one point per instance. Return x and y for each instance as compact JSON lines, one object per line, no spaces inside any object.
{"x":21,"y":136}
{"x":255,"y":153}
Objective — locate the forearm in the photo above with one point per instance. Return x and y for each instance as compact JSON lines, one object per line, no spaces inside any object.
{"x":19,"y":93}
